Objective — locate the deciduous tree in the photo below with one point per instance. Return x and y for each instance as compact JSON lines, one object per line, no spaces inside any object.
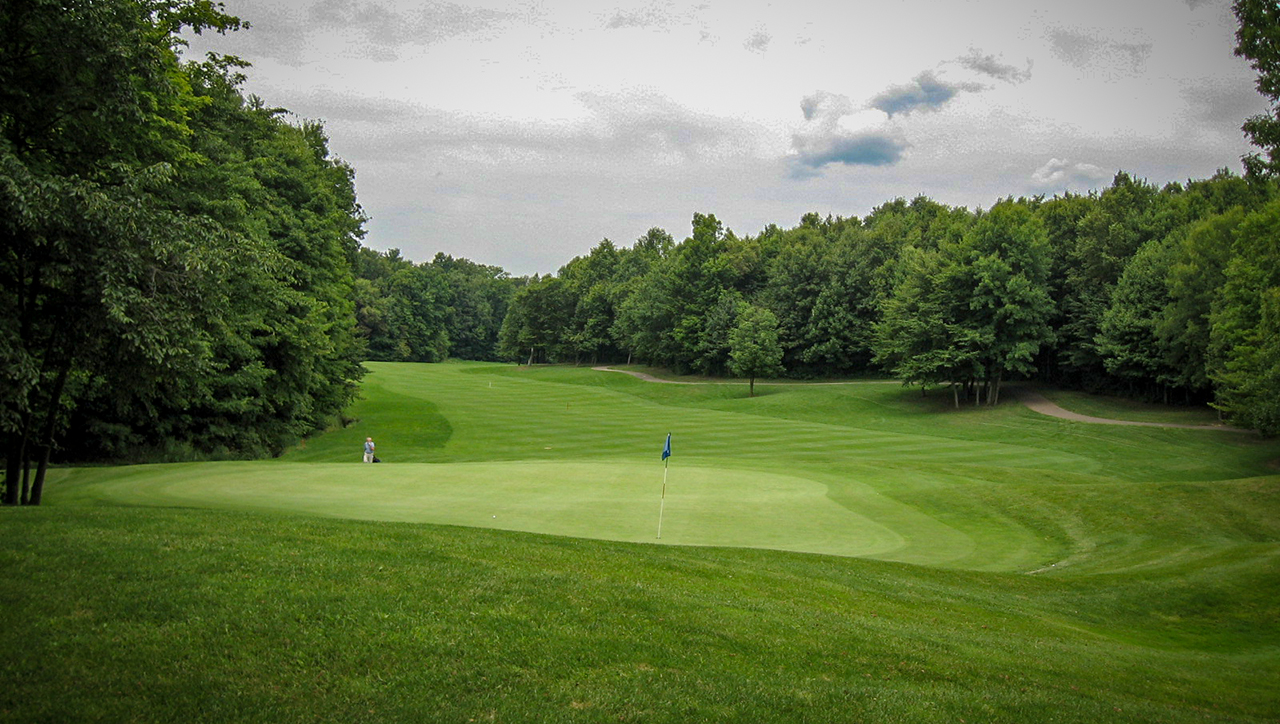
{"x":754,"y":350}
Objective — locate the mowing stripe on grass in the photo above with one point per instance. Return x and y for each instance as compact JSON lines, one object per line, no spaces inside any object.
{"x":862,"y":469}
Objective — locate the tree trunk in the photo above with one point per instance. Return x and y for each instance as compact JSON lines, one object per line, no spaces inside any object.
{"x":955,"y":395}
{"x":752,"y":388}
{"x":37,"y":485}
{"x":13,"y":466}
{"x":995,"y":400}
{"x":25,"y":494}
{"x":46,"y":437}
{"x":16,"y":454}
{"x":531,"y":350}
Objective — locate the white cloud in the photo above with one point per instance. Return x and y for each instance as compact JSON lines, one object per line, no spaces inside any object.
{"x":1062,"y":174}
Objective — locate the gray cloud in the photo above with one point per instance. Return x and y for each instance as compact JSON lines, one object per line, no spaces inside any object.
{"x":276,"y":33}
{"x":633,"y":130}
{"x":383,"y":31}
{"x":865,"y":148}
{"x":650,"y":17}
{"x":758,"y":41}
{"x":1090,"y":52}
{"x":825,"y":105}
{"x":655,"y":126}
{"x":991,"y":66}
{"x":287,"y":31}
{"x":1223,"y":104}
{"x":926,"y":92}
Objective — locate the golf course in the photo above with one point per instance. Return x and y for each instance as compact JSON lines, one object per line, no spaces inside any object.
{"x":827,"y":552}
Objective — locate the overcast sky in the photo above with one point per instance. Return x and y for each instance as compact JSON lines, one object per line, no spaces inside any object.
{"x":521,"y":134}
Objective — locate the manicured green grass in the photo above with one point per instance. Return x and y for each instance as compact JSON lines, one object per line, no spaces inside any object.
{"x":850,"y":552}
{"x":186,"y":615}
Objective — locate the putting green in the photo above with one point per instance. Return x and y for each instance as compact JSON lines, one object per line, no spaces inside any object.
{"x":703,"y":506}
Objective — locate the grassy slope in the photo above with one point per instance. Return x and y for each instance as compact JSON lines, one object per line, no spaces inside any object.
{"x":1157,"y":602}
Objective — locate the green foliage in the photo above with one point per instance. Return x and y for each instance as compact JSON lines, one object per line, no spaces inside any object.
{"x":1245,"y":336}
{"x":1258,"y":40}
{"x":591,"y":280}
{"x":177,"y":261}
{"x":1109,"y":291}
{"x":1006,"y":279}
{"x":976,"y":308}
{"x":427,"y":312}
{"x":535,"y":321}
{"x":753,"y":345}
{"x":921,"y":338}
{"x":1129,"y":339}
{"x":480,"y":294}
{"x":1106,"y":235}
{"x":1196,"y":275}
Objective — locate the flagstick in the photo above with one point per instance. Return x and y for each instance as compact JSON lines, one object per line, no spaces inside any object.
{"x":663,"y":504}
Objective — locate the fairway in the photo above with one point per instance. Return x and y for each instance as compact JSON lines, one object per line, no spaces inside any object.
{"x":860,"y":469}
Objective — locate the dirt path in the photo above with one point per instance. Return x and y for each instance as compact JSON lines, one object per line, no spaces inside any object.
{"x":1039,"y":403}
{"x":650,"y":378}
{"x":1032,"y":399}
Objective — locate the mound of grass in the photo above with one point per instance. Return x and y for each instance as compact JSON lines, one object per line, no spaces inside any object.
{"x":131,"y":614}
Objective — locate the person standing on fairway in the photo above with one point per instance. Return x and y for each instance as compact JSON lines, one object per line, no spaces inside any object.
{"x":368,"y":449}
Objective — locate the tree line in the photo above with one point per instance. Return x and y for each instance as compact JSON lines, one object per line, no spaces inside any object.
{"x":1158,"y":293}
{"x":1154,"y":292}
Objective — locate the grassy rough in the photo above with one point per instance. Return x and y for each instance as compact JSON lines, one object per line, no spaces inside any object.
{"x":1012,"y":567}
{"x":182,"y":615}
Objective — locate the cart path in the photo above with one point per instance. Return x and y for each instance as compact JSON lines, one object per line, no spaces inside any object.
{"x":1041,"y":404}
{"x":650,"y":378}
{"x":1032,"y":399}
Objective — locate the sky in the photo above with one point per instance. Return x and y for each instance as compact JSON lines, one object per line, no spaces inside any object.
{"x":521,"y":134}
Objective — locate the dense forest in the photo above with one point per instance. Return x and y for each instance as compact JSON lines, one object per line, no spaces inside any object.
{"x":177,"y":258}
{"x":183,"y":275}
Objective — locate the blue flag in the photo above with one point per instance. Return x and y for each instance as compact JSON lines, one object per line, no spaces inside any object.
{"x":666,"y":449}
